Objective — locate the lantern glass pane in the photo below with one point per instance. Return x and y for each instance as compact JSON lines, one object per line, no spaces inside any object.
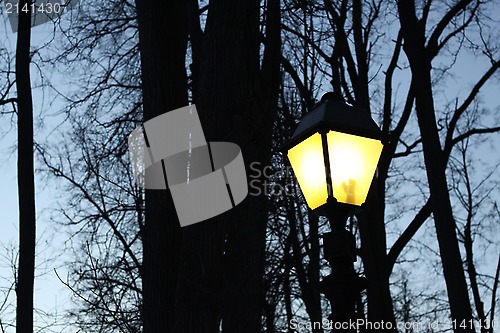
{"x":353,"y":161}
{"x":308,"y":165}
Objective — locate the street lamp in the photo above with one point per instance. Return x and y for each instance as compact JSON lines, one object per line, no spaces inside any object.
{"x":334,"y":153}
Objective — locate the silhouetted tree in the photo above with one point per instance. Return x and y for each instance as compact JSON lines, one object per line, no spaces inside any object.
{"x":25,"y":176}
{"x":163,"y":39}
{"x":421,"y":47}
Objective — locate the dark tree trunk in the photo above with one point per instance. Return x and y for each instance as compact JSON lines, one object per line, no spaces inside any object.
{"x":163,"y":42}
{"x":441,"y":206}
{"x":221,"y":274}
{"x":25,"y":176}
{"x":435,"y":163}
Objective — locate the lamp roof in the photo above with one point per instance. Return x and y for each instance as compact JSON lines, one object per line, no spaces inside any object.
{"x":337,"y":116}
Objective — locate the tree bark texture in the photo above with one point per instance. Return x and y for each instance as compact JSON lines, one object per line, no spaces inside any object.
{"x":163,"y":41}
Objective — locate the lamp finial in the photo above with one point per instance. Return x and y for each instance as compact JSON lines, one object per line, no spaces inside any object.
{"x":333,"y":96}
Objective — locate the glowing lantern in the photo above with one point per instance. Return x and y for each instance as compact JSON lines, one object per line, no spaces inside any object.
{"x":334,"y":153}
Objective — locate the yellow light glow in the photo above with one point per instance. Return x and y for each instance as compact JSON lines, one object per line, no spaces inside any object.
{"x":308,"y":165}
{"x":353,"y":161}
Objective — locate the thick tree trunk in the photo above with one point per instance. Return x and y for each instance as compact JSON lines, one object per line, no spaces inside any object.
{"x":223,"y":258}
{"x":435,"y":163}
{"x":25,"y":176}
{"x":440,"y":200}
{"x":163,"y":42}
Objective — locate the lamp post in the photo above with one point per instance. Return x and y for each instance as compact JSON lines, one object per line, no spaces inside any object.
{"x":334,"y":153}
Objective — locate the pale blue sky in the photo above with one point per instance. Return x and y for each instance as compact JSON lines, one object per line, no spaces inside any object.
{"x":50,"y":293}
